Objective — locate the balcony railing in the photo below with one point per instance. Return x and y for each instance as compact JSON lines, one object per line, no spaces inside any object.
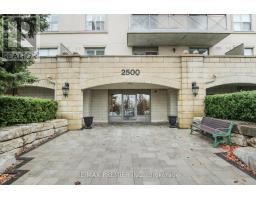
{"x":176,"y":23}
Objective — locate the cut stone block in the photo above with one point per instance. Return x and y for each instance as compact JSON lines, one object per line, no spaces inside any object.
{"x":11,"y":132}
{"x":252,"y":142}
{"x":11,"y":145}
{"x":197,"y":119}
{"x":60,"y":130}
{"x":37,"y":127}
{"x":57,"y":123}
{"x":249,"y":130}
{"x":245,"y":128}
{"x":29,"y":138}
{"x":44,"y":134}
{"x":247,"y":155}
{"x":238,"y":139}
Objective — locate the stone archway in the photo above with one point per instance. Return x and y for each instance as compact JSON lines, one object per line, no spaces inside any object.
{"x":170,"y":83}
{"x":231,"y":84}
{"x":237,"y":79}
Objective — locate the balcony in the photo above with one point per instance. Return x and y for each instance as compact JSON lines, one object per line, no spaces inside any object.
{"x":177,"y":30}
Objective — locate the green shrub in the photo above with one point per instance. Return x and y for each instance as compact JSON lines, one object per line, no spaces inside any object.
{"x":22,"y":110}
{"x":235,"y":106}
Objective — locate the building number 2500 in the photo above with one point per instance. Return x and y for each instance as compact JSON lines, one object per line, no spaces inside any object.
{"x":126,"y":72}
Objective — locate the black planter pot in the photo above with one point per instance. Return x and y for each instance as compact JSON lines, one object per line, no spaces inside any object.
{"x":172,"y":121}
{"x":88,"y":122}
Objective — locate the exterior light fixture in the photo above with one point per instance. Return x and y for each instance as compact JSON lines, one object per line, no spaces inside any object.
{"x":65,"y":89}
{"x":195,"y":88}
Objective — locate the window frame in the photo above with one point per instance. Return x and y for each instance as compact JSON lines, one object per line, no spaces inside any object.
{"x":241,"y":23}
{"x":95,"y":22}
{"x":48,"y":49}
{"x":95,"y":50}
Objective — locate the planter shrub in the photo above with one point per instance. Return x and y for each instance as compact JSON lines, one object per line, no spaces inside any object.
{"x":234,"y":106}
{"x":22,"y":110}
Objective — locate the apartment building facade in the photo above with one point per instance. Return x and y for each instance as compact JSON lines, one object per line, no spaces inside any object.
{"x":142,"y":68}
{"x":149,"y":34}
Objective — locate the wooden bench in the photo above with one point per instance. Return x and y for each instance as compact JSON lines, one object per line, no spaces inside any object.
{"x":219,"y":129}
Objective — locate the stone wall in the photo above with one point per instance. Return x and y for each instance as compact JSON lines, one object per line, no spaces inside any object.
{"x":244,"y":134}
{"x":171,"y":72}
{"x":15,"y":140}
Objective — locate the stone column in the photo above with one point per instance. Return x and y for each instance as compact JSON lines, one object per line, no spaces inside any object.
{"x":70,"y":107}
{"x":189,"y":106}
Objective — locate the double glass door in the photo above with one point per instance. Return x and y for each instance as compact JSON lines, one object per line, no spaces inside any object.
{"x":129,"y":105}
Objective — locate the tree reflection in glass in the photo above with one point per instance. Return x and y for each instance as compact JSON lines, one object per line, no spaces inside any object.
{"x":143,"y":104}
{"x":115,"y":107}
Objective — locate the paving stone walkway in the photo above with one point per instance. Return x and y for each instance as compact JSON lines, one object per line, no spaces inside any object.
{"x":130,"y":154}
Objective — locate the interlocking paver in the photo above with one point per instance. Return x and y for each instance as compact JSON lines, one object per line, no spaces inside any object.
{"x":130,"y":154}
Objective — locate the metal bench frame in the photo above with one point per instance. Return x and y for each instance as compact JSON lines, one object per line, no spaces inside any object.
{"x":220,"y":135}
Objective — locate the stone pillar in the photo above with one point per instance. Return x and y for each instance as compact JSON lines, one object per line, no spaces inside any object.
{"x":189,"y":106}
{"x":70,"y":107}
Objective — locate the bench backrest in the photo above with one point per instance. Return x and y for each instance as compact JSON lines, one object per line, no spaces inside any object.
{"x":216,"y":123}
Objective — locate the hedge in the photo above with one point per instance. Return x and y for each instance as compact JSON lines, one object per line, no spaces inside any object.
{"x":22,"y":110}
{"x":234,"y":106}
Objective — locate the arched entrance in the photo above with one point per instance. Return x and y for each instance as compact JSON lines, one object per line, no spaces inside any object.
{"x":130,"y":102}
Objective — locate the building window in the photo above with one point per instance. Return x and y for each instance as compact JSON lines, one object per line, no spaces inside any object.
{"x":47,"y":52}
{"x":204,"y":51}
{"x":95,"y":22}
{"x":99,"y":51}
{"x":248,"y":51}
{"x":145,"y":51}
{"x":242,"y":22}
{"x":53,"y":23}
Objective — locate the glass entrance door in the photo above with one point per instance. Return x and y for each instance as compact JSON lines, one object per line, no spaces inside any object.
{"x":129,"y":107}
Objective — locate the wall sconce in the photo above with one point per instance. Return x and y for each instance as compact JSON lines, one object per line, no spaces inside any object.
{"x":65,"y":89}
{"x":195,"y":88}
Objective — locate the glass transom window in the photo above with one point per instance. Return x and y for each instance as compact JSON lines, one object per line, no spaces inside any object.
{"x":100,"y":51}
{"x":242,"y":22}
{"x":95,"y":22}
{"x":47,"y":52}
{"x":248,"y":51}
{"x":53,"y":23}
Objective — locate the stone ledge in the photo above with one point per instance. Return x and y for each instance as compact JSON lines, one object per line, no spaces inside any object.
{"x":15,"y":140}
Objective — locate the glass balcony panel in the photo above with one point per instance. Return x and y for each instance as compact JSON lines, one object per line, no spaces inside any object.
{"x":171,"y":23}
